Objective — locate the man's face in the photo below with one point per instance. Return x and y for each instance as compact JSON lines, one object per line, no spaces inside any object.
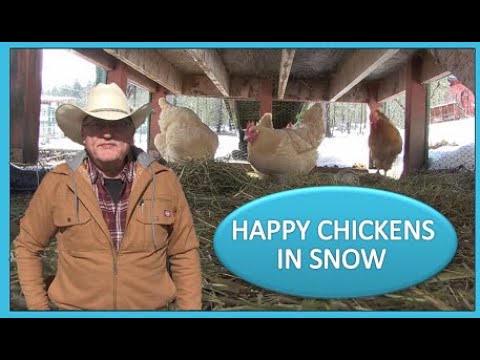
{"x":108,"y":142}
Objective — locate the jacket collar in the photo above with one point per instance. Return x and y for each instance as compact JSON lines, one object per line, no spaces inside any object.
{"x":138,"y":154}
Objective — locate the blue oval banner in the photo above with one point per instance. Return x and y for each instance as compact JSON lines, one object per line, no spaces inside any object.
{"x":335,"y":242}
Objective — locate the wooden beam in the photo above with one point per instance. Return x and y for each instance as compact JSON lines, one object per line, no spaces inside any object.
{"x":97,"y":56}
{"x":432,"y":70}
{"x":245,"y":88}
{"x":415,"y":119}
{"x":285,"y":67}
{"x":266,"y":97}
{"x":118,"y":76}
{"x":307,"y":90}
{"x":248,"y":88}
{"x":212,"y":64}
{"x":460,"y":62}
{"x":25,"y":99}
{"x":141,"y":80}
{"x":151,"y":64}
{"x":394,"y":84}
{"x":355,"y":68}
{"x":106,"y":61}
{"x":359,"y":94}
{"x":199,"y":85}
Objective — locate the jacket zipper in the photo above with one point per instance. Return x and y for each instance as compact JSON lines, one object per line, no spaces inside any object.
{"x":115,"y":263}
{"x":114,"y":270}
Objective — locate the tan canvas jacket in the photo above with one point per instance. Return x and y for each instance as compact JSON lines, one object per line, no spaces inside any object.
{"x":91,"y":275}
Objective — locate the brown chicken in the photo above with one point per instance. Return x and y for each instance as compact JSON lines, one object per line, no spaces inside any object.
{"x":183,"y":136}
{"x":384,"y":141}
{"x":289,"y":151}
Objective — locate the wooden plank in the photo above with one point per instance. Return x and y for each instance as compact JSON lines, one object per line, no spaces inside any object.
{"x":394,"y":84}
{"x":25,"y":104}
{"x":151,"y":64}
{"x":245,"y":87}
{"x":372,"y":95}
{"x":248,"y":88}
{"x":141,"y":80}
{"x":432,"y":70}
{"x":357,"y":67}
{"x":415,"y":119}
{"x":265,"y":97}
{"x":97,"y":56}
{"x":212,"y":64}
{"x":17,"y":99}
{"x":106,"y":61}
{"x":199,"y":85}
{"x":285,"y":68}
{"x":307,"y":90}
{"x":118,"y":76}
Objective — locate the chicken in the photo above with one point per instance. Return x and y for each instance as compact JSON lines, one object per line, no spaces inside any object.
{"x":289,"y":151}
{"x":384,"y":141}
{"x":183,"y":136}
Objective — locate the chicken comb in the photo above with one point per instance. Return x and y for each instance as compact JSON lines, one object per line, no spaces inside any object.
{"x":250,"y":123}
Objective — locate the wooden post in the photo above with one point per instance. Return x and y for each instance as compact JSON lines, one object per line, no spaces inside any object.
{"x":154,"y":129}
{"x":118,"y":76}
{"x":415,"y":119}
{"x":266,"y":97}
{"x":372,"y":91}
{"x":25,"y":103}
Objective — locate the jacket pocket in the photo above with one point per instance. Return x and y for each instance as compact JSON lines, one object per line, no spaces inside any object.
{"x":157,"y":220}
{"x":74,"y":232}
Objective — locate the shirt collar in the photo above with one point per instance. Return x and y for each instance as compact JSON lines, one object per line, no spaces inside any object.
{"x":127,"y":173}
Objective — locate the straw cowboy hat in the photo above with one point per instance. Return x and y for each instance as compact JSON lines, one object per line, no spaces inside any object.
{"x":106,"y":102}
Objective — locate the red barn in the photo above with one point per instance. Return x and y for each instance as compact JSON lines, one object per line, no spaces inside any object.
{"x":460,"y":103}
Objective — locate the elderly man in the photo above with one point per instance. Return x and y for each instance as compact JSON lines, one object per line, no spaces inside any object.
{"x":124,"y":229}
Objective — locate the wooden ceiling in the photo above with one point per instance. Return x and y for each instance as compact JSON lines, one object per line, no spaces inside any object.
{"x":306,"y":74}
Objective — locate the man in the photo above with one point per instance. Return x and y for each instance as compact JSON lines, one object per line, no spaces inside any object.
{"x":124,"y":230}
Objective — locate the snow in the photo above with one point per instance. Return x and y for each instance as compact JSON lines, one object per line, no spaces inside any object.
{"x":226,"y":144}
{"x":461,"y":132}
{"x":343,"y":150}
{"x":347,"y":150}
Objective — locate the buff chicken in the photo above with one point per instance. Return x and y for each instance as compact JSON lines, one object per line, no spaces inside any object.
{"x":288,"y":151}
{"x":183,"y":136}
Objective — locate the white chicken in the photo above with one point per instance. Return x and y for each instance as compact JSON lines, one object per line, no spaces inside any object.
{"x":289,"y":151}
{"x":183,"y":136}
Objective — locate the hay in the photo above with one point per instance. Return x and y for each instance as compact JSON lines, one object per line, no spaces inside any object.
{"x":215,"y":189}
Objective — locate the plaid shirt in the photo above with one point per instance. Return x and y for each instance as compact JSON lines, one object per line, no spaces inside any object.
{"x":115,"y":215}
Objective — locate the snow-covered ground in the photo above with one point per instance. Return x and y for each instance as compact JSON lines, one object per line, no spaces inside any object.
{"x":347,"y":150}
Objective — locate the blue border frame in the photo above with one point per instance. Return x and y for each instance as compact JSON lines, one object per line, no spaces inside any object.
{"x":5,"y":195}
